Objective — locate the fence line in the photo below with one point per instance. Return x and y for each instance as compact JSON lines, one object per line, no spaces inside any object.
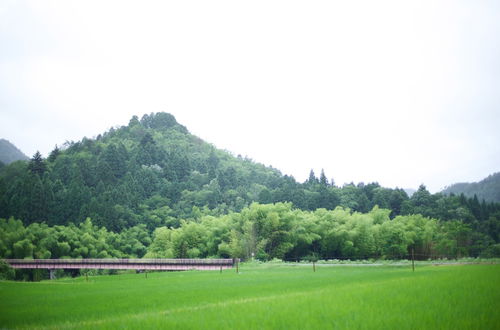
{"x":416,"y":256}
{"x":139,"y":264}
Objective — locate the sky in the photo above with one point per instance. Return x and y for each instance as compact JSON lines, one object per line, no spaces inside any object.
{"x":401,"y":93}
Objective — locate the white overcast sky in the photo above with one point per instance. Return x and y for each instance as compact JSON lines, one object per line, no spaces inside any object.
{"x":398,"y":92}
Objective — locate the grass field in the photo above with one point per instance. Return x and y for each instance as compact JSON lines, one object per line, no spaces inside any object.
{"x":263,"y":296}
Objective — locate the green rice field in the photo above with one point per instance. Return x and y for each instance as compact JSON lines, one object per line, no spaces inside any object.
{"x":263,"y":296}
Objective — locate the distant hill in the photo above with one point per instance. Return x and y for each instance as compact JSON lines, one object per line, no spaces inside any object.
{"x":410,"y":191}
{"x":487,"y":189}
{"x":9,"y":153}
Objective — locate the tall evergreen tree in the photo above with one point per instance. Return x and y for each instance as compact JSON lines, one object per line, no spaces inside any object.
{"x":312,"y":180}
{"x":54,"y":154}
{"x":322,"y":179}
{"x":37,"y":164}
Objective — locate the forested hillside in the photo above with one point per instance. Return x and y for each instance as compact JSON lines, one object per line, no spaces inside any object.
{"x":10,"y":153}
{"x":153,"y":174}
{"x":487,"y":189}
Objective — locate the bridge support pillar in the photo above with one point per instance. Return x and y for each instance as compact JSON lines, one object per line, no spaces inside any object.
{"x":52,"y":274}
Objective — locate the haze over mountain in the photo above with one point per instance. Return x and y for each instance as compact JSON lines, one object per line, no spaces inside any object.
{"x":487,"y":189}
{"x":10,"y":153}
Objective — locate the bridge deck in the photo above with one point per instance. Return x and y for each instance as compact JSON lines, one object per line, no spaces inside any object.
{"x":139,"y":264}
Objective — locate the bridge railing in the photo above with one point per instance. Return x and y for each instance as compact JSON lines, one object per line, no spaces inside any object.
{"x":123,"y":263}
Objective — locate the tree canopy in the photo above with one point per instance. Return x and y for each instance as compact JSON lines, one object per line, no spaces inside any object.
{"x":152,"y":176}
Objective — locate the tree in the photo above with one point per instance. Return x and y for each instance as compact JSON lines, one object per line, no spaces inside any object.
{"x":54,"y":154}
{"x":161,"y":246}
{"x":147,"y":152}
{"x":212,"y":164}
{"x":423,"y":202}
{"x":475,"y":207}
{"x":115,"y":157}
{"x":37,"y":165}
{"x":134,"y":121}
{"x":312,"y":180}
{"x":396,"y":199}
{"x":322,"y":179}
{"x":6,"y":272}
{"x":38,"y":205}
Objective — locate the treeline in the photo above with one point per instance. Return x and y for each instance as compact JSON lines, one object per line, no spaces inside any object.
{"x":154,"y":172}
{"x":259,"y":231}
{"x":280,"y":231}
{"x":41,"y":241}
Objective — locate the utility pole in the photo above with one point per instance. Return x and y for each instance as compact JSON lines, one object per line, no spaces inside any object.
{"x":412,"y":259}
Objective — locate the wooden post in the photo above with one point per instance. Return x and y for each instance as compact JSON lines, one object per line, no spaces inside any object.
{"x":86,"y":277}
{"x":314,"y":266}
{"x":221,"y":269}
{"x":237,"y":263}
{"x":146,"y":272}
{"x":412,"y":259}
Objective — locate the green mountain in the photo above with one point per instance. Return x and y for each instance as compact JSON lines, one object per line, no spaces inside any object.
{"x":9,"y":153}
{"x":153,"y":189}
{"x":154,"y":172}
{"x":151,"y":171}
{"x":487,"y":189}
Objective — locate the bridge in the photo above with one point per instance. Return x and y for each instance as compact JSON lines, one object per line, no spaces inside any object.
{"x":137,"y":264}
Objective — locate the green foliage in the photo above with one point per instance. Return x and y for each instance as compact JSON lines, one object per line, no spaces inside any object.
{"x":278,"y":231}
{"x":6,"y":272}
{"x":86,"y":240}
{"x":153,"y":173}
{"x":261,"y":231}
{"x":37,"y":164}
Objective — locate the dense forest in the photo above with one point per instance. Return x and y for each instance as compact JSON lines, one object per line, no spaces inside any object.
{"x":263,"y":231}
{"x":153,"y":189}
{"x":487,"y":189}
